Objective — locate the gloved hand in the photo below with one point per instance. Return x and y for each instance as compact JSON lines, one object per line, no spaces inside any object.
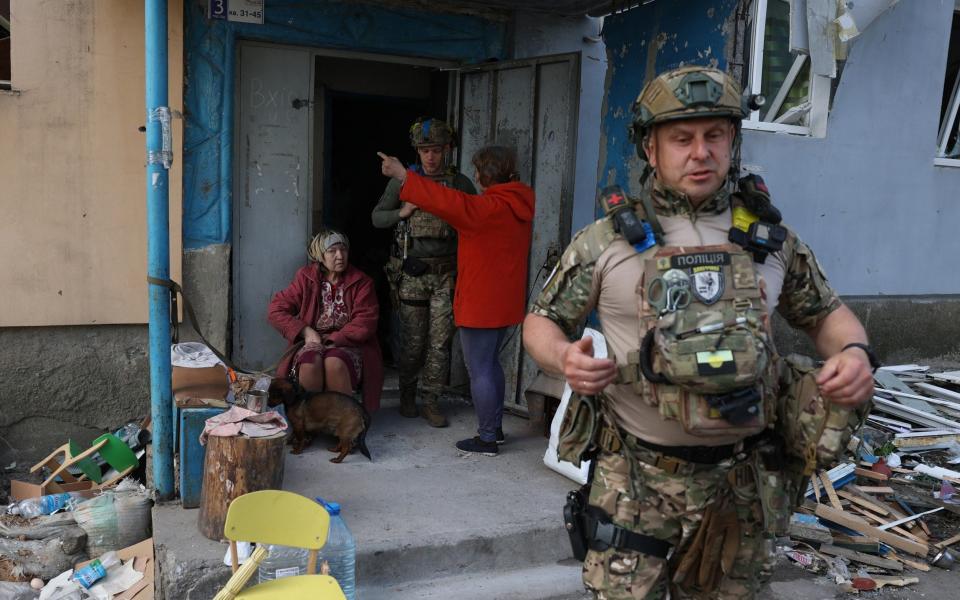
{"x":713,"y":549}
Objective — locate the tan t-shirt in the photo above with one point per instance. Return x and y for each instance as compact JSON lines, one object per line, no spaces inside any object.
{"x":607,"y":282}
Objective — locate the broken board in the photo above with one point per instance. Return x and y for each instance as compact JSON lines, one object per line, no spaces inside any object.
{"x":859,"y":525}
{"x":891,"y":382}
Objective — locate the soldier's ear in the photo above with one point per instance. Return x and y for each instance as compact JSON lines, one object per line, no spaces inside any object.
{"x":649,"y":144}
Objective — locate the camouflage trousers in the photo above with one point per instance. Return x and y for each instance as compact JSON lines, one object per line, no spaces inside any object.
{"x":670,"y":506}
{"x":426,"y":331}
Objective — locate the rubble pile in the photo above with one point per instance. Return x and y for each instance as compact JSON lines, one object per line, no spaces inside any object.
{"x":891,"y":512}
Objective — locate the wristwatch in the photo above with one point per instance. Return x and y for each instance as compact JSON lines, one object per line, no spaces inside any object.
{"x":874,"y":361}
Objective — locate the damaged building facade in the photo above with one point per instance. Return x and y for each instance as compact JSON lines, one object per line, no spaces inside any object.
{"x":284,"y":110}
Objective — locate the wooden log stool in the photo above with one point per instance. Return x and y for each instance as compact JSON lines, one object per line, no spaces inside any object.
{"x":235,"y":466}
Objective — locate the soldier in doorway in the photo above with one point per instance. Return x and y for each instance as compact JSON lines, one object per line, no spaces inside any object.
{"x":695,"y":465}
{"x":422,"y":271}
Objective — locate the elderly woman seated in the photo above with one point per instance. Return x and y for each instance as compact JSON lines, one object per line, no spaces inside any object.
{"x":331,"y":307}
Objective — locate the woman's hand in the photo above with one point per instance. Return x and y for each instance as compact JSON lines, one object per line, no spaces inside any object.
{"x":310,"y":336}
{"x":392,"y":167}
{"x":407,"y":209}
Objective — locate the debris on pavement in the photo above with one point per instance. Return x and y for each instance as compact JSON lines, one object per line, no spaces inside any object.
{"x":889,"y":512}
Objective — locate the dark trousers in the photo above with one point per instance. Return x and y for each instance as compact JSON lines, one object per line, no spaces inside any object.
{"x":481,"y":353}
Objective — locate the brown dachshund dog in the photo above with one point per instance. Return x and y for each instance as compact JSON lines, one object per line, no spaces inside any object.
{"x":322,"y":412}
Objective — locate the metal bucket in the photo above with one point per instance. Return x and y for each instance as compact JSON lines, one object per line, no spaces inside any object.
{"x":255,"y":400}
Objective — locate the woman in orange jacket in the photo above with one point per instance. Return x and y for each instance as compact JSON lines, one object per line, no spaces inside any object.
{"x":495,"y":229}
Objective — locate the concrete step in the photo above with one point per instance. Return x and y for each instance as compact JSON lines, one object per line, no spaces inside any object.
{"x":420,"y":512}
{"x":559,"y":581}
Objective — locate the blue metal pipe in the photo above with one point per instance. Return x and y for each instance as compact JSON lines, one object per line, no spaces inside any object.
{"x":158,"y":243}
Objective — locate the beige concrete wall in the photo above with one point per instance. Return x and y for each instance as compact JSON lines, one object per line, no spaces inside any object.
{"x":72,"y":178}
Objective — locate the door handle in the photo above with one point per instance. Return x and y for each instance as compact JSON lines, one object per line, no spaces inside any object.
{"x":299,"y":103}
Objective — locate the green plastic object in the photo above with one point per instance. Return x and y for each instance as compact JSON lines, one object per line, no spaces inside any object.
{"x":87,"y":466}
{"x":116,"y":453}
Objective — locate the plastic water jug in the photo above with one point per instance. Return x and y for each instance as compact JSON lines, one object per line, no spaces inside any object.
{"x":340,"y":551}
{"x":283,"y":561}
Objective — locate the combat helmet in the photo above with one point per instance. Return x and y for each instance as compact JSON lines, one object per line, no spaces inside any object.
{"x":687,"y":93}
{"x":431,"y":132}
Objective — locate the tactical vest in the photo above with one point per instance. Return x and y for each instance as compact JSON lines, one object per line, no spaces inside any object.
{"x":422,"y":224}
{"x":706,"y":356}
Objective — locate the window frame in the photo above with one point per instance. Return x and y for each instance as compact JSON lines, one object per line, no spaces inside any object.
{"x":7,"y":84}
{"x":952,"y":115}
{"x":819,"y":96}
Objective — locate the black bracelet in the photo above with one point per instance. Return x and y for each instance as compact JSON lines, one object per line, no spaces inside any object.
{"x":874,"y":361}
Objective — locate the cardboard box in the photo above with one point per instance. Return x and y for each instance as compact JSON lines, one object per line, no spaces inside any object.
{"x":197,"y":387}
{"x":143,"y":561}
{"x":22,"y":490}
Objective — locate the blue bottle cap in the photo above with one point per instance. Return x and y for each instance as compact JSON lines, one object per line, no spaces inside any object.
{"x":332,"y":507}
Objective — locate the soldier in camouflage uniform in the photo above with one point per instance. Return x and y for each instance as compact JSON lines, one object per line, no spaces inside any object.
{"x":422,"y":272}
{"x":687,"y":489}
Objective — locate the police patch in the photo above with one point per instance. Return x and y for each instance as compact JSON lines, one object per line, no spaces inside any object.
{"x":707,"y":284}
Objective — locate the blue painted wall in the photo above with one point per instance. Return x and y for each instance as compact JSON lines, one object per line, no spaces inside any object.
{"x":868,"y":197}
{"x":881,"y":216}
{"x":209,"y":95}
{"x":641,"y":43}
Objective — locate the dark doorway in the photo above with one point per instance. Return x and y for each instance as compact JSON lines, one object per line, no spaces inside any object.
{"x":356,"y":127}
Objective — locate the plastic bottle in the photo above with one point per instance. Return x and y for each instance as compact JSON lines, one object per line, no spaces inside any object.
{"x":340,"y":551}
{"x":96,"y":570}
{"x":44,"y":505}
{"x":283,"y":561}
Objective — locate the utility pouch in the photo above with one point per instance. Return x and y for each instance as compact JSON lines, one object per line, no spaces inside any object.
{"x":392,"y":270}
{"x":736,"y":413}
{"x":578,"y":430}
{"x":414,"y":267}
{"x":574,"y":521}
{"x":814,"y":431}
{"x":775,"y":498}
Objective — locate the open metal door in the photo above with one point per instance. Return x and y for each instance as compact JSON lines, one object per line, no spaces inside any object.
{"x":272,"y":190}
{"x":531,"y":104}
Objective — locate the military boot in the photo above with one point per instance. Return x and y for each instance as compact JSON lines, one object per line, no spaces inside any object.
{"x":431,"y":411}
{"x":408,"y":401}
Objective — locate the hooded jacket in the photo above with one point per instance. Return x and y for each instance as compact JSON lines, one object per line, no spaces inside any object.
{"x":495,"y":229}
{"x":299,"y":305}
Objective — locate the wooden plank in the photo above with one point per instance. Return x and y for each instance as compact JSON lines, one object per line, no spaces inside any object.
{"x":859,"y":543}
{"x":816,"y":490}
{"x":949,"y":541}
{"x":860,"y":557}
{"x":890,"y":382}
{"x":915,"y":564}
{"x":870,"y":474}
{"x":875,"y":507}
{"x":831,"y":493}
{"x":859,"y":525}
{"x":876,"y":489}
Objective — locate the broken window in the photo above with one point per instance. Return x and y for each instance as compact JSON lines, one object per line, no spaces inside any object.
{"x":948,"y":142}
{"x":4,"y":44}
{"x":796,"y":102}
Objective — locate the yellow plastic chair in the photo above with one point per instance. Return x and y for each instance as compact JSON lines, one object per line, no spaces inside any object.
{"x":288,"y":519}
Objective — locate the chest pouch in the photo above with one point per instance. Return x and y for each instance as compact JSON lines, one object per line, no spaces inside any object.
{"x":706,"y":344}
{"x":424,"y":225}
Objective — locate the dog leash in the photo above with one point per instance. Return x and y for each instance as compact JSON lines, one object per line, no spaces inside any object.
{"x":175,"y":290}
